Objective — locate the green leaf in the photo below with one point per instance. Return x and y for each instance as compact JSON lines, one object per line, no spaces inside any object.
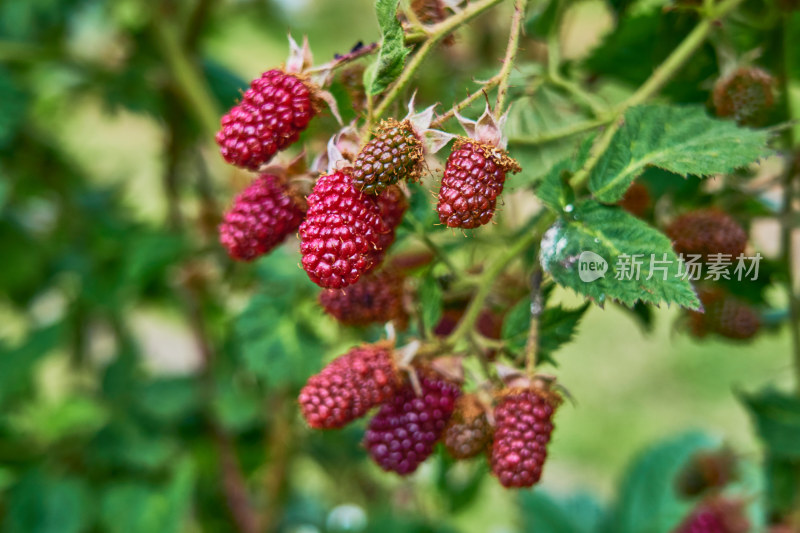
{"x":647,"y":501}
{"x":41,"y":503}
{"x":554,"y":190}
{"x":17,"y":364}
{"x":612,"y":233}
{"x":557,"y":326}
{"x":12,"y":107}
{"x":777,"y":419}
{"x":430,"y":300}
{"x":543,"y":513}
{"x":392,"y":55}
{"x":542,"y":113}
{"x":683,"y":140}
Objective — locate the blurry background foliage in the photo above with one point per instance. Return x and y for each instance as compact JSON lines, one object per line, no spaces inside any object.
{"x":147,"y":384}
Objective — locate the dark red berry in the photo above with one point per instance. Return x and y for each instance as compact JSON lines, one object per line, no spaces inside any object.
{"x":706,"y":470}
{"x":261,"y":217}
{"x":473,"y":179}
{"x":403,"y":433}
{"x":375,"y":298}
{"x":636,"y":200}
{"x":468,"y":433}
{"x":341,"y":234}
{"x":706,"y":232}
{"x":716,"y":515}
{"x":724,"y":315}
{"x":394,"y":154}
{"x":523,"y":424}
{"x":392,"y":204}
{"x":746,"y":95}
{"x":272,"y":113}
{"x":349,"y":387}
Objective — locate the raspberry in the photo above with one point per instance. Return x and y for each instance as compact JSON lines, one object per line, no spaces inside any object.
{"x":393,"y":205}
{"x":636,"y":200}
{"x":468,"y":432}
{"x":706,"y":470}
{"x":272,"y":113}
{"x":473,"y":179}
{"x":725,"y":316}
{"x":746,"y":95}
{"x":522,"y":430}
{"x":394,"y":153}
{"x":261,"y":217}
{"x":402,"y":434}
{"x":349,"y":386}
{"x":706,"y":232}
{"x":717,"y":515}
{"x":374,"y":298}
{"x":341,"y":234}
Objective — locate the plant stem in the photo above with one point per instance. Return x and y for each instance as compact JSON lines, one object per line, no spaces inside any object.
{"x":511,"y":54}
{"x":188,"y":81}
{"x":654,"y":83}
{"x":532,"y":344}
{"x":569,"y":131}
{"x":486,"y":282}
{"x":436,"y":34}
{"x":441,"y":119}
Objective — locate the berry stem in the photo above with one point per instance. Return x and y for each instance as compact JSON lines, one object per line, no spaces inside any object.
{"x":486,"y":282}
{"x":557,"y":135}
{"x":532,"y":345}
{"x":440,"y":254}
{"x":654,"y":83}
{"x":435,"y":34}
{"x":511,"y":54}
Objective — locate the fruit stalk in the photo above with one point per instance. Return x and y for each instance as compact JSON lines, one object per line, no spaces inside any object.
{"x":437,"y":33}
{"x":486,"y":282}
{"x":511,"y":54}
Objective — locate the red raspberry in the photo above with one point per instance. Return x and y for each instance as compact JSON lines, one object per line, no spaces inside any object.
{"x":473,"y":179}
{"x":393,"y":205}
{"x":374,"y":298}
{"x":725,"y":316}
{"x":394,"y":153}
{"x":717,"y":515}
{"x":261,"y":217}
{"x":349,"y":386}
{"x":706,"y":232}
{"x":272,"y":113}
{"x":636,"y":200}
{"x":468,"y":433}
{"x":341,"y":233}
{"x":402,"y":434}
{"x":522,"y":430}
{"x":746,"y":95}
{"x":706,"y":470}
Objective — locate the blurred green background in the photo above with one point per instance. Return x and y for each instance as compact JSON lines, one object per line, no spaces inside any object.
{"x":137,"y":365}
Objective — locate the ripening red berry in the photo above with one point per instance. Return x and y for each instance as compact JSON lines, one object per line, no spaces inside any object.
{"x":342,"y":232}
{"x":473,"y":179}
{"x":375,"y":298}
{"x":261,"y":217}
{"x":706,"y":470}
{"x":716,"y":515}
{"x":273,"y":112}
{"x":403,"y":432}
{"x":349,"y":387}
{"x":724,"y":315}
{"x":523,"y":425}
